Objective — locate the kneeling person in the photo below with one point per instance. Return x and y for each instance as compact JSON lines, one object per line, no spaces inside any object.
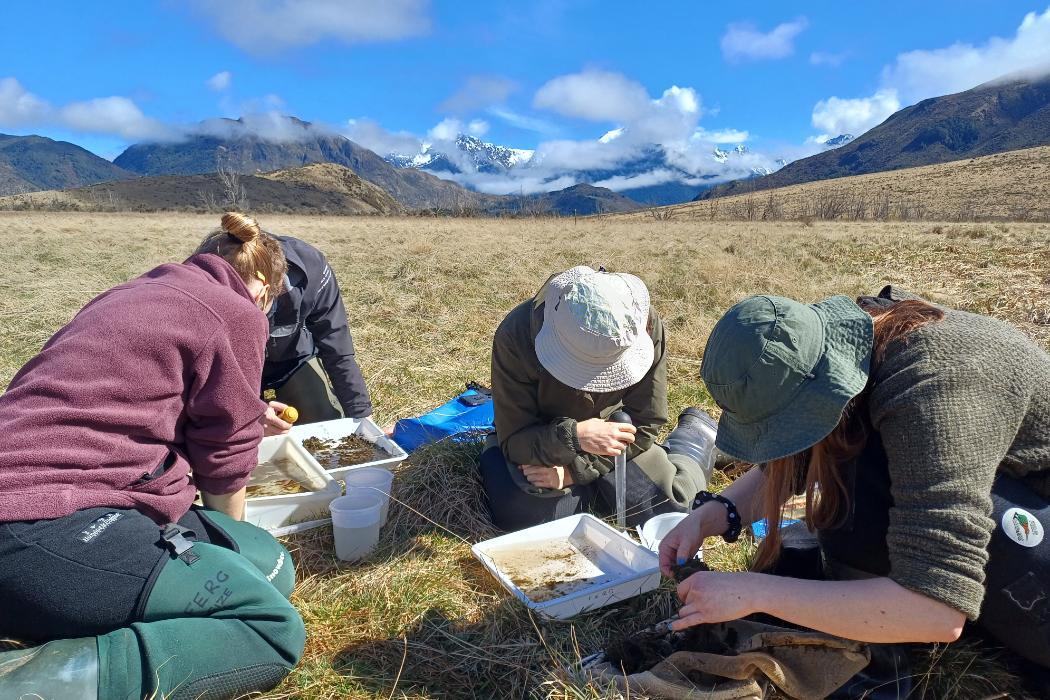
{"x":588,"y":344}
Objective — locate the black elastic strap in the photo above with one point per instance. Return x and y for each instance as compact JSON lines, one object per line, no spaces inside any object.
{"x":732,"y":532}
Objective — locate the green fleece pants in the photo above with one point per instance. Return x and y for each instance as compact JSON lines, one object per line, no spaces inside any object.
{"x":173,"y":615}
{"x":217,"y":624}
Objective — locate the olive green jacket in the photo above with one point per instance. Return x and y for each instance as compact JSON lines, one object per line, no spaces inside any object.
{"x":536,"y":414}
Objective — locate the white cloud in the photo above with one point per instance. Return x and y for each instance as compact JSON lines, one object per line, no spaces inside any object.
{"x":18,"y":106}
{"x":593,"y":95}
{"x":836,"y":116}
{"x":745,"y":42}
{"x":116,"y":116}
{"x":477,"y":127}
{"x":478,"y":92}
{"x":827,"y":58}
{"x":618,"y":183}
{"x":372,"y":136}
{"x":722,"y":136}
{"x":112,"y":115}
{"x":523,"y":121}
{"x":917,"y":75}
{"x":921,"y":74}
{"x":220,"y":81}
{"x":268,"y":26}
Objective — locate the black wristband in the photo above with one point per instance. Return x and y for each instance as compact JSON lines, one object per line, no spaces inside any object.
{"x":732,"y":532}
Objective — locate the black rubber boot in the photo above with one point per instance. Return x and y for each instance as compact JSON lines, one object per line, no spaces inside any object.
{"x":694,"y":437}
{"x":65,"y":668}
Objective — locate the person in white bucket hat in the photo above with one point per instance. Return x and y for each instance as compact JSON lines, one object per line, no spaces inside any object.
{"x":586,"y":345}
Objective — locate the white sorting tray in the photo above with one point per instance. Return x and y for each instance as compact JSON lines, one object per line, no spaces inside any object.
{"x":365,"y":428}
{"x":569,"y":566}
{"x":295,"y":512}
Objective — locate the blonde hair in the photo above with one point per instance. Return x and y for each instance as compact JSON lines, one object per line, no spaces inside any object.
{"x":253,"y":253}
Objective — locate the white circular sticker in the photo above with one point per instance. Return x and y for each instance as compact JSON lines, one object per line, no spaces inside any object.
{"x":1022,"y":527}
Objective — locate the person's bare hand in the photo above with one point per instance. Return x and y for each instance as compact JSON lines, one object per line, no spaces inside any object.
{"x":681,"y":544}
{"x":547,"y":477}
{"x":714,"y":596}
{"x":601,"y":437}
{"x":272,"y":425}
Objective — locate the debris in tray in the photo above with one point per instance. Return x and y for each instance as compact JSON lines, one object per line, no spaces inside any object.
{"x":280,"y":487}
{"x":548,"y":570}
{"x":346,"y":452}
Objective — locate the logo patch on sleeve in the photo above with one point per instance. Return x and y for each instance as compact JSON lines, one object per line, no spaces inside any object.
{"x":1022,"y":527}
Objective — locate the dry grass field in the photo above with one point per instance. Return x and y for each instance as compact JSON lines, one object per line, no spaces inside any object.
{"x":420,"y":619}
{"x":1010,"y":186}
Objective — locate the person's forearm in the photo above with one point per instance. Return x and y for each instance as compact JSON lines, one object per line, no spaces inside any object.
{"x":232,"y":504}
{"x":877,"y":610}
{"x":745,"y":493}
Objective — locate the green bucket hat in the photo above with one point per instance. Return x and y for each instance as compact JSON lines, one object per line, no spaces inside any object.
{"x":783,"y":372}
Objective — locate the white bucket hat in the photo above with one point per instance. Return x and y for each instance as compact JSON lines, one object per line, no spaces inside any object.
{"x":594,"y":335}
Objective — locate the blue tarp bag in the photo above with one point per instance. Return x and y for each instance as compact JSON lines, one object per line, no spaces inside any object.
{"x":469,"y":416}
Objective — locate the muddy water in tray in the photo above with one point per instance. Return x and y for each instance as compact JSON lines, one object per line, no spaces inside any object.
{"x":549,"y":569}
{"x":345,"y":452}
{"x":281,"y":477}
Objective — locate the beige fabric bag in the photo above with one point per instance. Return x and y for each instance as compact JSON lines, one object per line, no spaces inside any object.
{"x":748,"y":656}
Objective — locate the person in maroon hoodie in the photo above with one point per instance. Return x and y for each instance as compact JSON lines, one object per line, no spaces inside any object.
{"x":150,"y":393}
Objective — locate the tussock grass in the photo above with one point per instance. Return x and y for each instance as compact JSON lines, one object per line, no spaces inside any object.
{"x":420,"y":618}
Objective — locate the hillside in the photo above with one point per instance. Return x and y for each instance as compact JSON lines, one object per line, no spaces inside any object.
{"x":319,"y":188}
{"x":29,"y":163}
{"x":1014,"y":185}
{"x":243,"y":148}
{"x":578,"y":199}
{"x":990,"y":118}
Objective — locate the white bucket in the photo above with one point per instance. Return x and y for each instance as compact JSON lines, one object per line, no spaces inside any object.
{"x":356,"y":523}
{"x":656,"y":528}
{"x":371,"y":480}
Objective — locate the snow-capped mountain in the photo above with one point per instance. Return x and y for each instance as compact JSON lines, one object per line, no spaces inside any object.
{"x":840,"y":140}
{"x":650,"y":174}
{"x":465,"y":153}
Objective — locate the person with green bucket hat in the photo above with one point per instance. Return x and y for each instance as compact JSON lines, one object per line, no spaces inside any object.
{"x":920,"y":437}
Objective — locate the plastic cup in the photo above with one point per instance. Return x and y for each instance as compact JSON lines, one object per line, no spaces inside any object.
{"x":655,"y":529}
{"x":371,"y":480}
{"x":356,"y":523}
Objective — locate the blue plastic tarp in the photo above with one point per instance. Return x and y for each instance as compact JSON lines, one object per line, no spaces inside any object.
{"x":455,"y":420}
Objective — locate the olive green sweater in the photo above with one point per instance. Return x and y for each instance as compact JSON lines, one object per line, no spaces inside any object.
{"x":955,"y":402}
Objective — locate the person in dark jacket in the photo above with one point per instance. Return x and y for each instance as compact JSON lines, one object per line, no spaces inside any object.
{"x":149,"y":394}
{"x":310,"y":358}
{"x":926,"y":433}
{"x":588,"y":344}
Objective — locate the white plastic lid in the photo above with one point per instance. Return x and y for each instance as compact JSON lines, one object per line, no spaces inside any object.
{"x":657,"y":527}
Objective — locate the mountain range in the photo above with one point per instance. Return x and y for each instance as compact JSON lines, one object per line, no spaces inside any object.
{"x":30,"y":163}
{"x":1003,"y":115}
{"x":991,"y":118}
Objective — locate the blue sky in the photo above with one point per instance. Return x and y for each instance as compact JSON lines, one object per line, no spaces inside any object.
{"x":774,"y":74}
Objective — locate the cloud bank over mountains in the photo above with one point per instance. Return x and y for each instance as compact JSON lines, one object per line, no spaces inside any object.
{"x":917,"y":75}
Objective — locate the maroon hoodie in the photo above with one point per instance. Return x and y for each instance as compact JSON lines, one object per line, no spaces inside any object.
{"x":150,"y":381}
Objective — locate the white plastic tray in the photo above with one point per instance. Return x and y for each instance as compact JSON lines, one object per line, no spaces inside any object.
{"x":283,"y":515}
{"x":569,"y":566}
{"x":365,"y":428}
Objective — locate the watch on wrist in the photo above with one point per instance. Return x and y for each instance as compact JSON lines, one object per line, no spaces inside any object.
{"x":735,"y":525}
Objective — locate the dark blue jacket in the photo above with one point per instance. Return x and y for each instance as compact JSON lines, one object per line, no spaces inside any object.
{"x":309,"y":321}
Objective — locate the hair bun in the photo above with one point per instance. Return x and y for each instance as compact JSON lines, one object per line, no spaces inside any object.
{"x":243,"y":228}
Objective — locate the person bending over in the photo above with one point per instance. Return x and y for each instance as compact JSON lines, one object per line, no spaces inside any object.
{"x":310,"y":358}
{"x":150,"y":393}
{"x":920,"y":436}
{"x":586,"y":345}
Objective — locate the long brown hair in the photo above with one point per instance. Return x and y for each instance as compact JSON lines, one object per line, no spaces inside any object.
{"x":818,"y":471}
{"x":253,"y":253}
